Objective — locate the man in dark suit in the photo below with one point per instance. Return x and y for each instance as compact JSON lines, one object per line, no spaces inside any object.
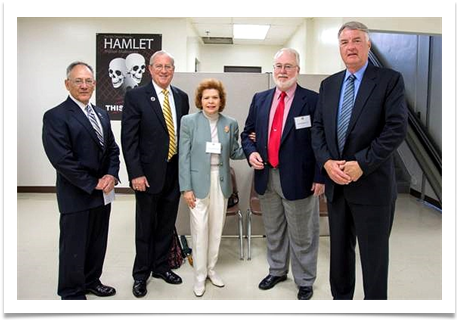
{"x":149,"y":135}
{"x":80,"y":145}
{"x":360,"y":121}
{"x":286,"y":175}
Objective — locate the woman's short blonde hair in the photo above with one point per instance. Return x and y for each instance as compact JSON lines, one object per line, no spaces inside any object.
{"x":210,"y":84}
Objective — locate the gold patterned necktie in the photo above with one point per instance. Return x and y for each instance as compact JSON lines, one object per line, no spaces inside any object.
{"x":170,"y":125}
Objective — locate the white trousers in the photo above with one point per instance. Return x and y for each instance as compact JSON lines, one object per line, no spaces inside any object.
{"x":206,"y":222}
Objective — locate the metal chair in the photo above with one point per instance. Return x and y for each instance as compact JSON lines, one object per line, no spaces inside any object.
{"x":323,"y":209}
{"x":234,"y":210}
{"x":254,"y":208}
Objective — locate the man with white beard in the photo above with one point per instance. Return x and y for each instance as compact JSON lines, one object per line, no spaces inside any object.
{"x":287,"y":178}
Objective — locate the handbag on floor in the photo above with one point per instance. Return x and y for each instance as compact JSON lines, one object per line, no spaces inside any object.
{"x":175,"y":258}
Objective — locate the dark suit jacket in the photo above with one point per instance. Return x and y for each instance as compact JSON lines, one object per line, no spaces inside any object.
{"x":144,"y":135}
{"x":73,"y":149}
{"x":297,"y":164}
{"x":377,"y":127}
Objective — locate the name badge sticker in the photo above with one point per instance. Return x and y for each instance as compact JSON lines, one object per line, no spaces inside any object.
{"x":303,"y":122}
{"x":213,"y":147}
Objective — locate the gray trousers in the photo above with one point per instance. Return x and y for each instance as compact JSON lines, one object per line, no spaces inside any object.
{"x":292,"y":231}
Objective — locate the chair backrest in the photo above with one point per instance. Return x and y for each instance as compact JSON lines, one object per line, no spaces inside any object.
{"x":323,"y":209}
{"x":233,"y":179}
{"x":234,"y":209}
{"x":254,"y":202}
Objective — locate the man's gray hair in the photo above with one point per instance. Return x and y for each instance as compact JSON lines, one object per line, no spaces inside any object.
{"x":161,"y":53}
{"x":289,"y":50}
{"x":77,"y":63}
{"x":355,"y":25}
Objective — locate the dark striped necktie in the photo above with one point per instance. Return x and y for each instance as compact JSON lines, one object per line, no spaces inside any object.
{"x":346,"y":111}
{"x":92,"y":118}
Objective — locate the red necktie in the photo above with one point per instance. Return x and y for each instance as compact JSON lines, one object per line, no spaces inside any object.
{"x":276,"y":132}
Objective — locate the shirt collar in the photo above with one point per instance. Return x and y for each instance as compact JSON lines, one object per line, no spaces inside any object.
{"x":359,"y":74}
{"x":289,"y":92}
{"x":159,"y":90}
{"x":79,"y":103}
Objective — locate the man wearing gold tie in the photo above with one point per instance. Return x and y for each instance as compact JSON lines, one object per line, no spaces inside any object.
{"x":149,"y":137}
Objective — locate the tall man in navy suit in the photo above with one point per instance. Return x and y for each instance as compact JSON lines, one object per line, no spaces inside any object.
{"x":149,"y":136}
{"x":360,"y":121}
{"x":286,"y":176}
{"x":79,"y":143}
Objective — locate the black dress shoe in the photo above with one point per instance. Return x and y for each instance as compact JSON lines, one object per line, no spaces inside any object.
{"x":139,"y":289}
{"x":101,"y":290}
{"x":270,"y":281}
{"x":168,"y":276}
{"x":74,"y":298}
{"x":305,"y":293}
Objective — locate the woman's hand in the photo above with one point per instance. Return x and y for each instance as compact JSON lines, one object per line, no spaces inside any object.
{"x":190,"y":199}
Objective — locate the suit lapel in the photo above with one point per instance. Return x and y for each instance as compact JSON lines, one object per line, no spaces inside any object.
{"x":365,"y":89}
{"x":153,"y":101}
{"x":104,"y":122}
{"x":333,"y":103}
{"x":222,"y":129}
{"x":82,"y":119}
{"x":264,"y":115}
{"x":299,"y":101}
{"x":177,"y":102}
{"x":203,"y":124}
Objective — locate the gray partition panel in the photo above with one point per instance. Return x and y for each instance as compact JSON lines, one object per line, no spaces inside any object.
{"x":309,"y":81}
{"x":240,"y":88}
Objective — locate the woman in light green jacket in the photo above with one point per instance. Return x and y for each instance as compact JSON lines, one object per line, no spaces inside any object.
{"x":208,"y":140}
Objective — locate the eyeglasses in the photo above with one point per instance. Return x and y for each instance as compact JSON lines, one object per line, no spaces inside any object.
{"x":159,"y":67}
{"x":79,"y":82}
{"x":287,"y":67}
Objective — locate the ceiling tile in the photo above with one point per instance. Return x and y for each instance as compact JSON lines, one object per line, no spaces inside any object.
{"x":280,"y":32}
{"x":215,"y":30}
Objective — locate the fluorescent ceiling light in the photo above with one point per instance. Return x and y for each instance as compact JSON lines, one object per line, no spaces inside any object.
{"x":250,"y":31}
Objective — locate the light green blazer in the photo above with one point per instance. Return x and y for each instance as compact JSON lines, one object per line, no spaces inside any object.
{"x":194,"y":162}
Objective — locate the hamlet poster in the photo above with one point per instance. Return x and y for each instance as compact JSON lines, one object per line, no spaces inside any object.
{"x":122,"y":64}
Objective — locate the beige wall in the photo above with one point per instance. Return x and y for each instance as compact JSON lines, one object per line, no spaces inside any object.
{"x":298,"y":41}
{"x":45,"y":46}
{"x":215,"y":56}
{"x":193,"y":47}
{"x":316,"y":40}
{"x":324,"y":52}
{"x":427,"y":25}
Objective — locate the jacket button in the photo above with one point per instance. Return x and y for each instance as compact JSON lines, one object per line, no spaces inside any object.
{"x":221,"y":164}
{"x":221,"y":178}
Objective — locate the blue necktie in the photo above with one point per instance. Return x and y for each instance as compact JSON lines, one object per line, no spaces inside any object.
{"x":346,"y":111}
{"x":95,"y":125}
